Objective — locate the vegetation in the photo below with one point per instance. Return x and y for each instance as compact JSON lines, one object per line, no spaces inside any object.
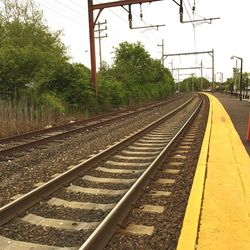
{"x":134,"y":78}
{"x":39,"y":85}
{"x":194,"y":84}
{"x":232,"y":84}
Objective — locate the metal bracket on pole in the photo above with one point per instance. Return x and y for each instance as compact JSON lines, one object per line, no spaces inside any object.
{"x":211,"y":53}
{"x":181,"y":12}
{"x":92,"y":23}
{"x":130,"y":20}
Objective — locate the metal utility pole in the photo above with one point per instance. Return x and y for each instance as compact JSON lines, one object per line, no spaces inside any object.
{"x":172,"y":66}
{"x":100,"y":37}
{"x":201,"y":76}
{"x":189,"y":68}
{"x":162,"y":51}
{"x":192,"y":82}
{"x":241,"y":67}
{"x":247,"y":88}
{"x":92,"y":23}
{"x":221,"y":74}
{"x":211,"y":53}
{"x":235,"y":76}
{"x":178,"y":80}
{"x":92,"y":45}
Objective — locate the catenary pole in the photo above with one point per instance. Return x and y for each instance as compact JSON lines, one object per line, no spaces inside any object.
{"x":92,"y":46}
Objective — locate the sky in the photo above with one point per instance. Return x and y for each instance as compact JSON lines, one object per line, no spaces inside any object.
{"x":228,"y":36}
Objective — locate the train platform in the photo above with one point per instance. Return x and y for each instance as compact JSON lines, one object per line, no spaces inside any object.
{"x":218,"y":210}
{"x":238,"y":112}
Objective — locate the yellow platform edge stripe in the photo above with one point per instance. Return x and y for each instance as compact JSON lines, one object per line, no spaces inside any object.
{"x":190,"y":227}
{"x":242,"y":161}
{"x":189,"y":231}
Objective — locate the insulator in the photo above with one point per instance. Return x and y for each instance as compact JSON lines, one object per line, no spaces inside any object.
{"x":141,"y":15}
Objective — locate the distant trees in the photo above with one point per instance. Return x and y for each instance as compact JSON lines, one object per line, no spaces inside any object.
{"x":194,"y":84}
{"x":233,"y":83}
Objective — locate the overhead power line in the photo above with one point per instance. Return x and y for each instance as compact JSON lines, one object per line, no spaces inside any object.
{"x":92,"y":23}
{"x":126,"y":21}
{"x":59,"y":13}
{"x":162,"y":51}
{"x":69,"y":8}
{"x":78,"y":5}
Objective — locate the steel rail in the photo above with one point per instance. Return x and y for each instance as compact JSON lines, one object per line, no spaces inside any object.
{"x":21,"y":204}
{"x":98,"y":117}
{"x":54,"y":128}
{"x":72,"y":131}
{"x":103,"y":233}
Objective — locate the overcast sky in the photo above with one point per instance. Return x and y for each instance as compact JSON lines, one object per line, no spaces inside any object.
{"x":227,"y":36}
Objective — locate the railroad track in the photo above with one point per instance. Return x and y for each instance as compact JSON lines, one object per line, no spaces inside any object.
{"x":155,"y":220}
{"x":16,"y":144}
{"x":88,"y":201}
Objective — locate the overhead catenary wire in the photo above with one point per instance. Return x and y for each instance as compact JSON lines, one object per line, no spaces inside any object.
{"x":71,"y":9}
{"x":187,"y":11}
{"x":57,"y":5}
{"x":78,"y":5}
{"x":151,"y":30}
{"x":194,"y":31}
{"x":59,"y":13}
{"x":126,"y":21}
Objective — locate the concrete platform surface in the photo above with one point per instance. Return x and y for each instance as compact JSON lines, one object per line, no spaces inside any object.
{"x":238,"y":112}
{"x":218,"y":211}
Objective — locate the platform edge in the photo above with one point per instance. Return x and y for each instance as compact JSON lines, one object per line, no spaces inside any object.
{"x":189,"y":231}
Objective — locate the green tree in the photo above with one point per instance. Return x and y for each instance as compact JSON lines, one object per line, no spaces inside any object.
{"x":144,"y":78}
{"x":132,"y":63}
{"x":29,"y":52}
{"x":194,"y":84}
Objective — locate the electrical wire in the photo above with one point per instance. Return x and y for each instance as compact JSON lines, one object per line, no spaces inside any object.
{"x":194,"y":30}
{"x":189,"y":4}
{"x":126,"y":21}
{"x":69,"y":8}
{"x":59,"y":13}
{"x":138,"y":16}
{"x":187,"y":11}
{"x":78,"y":5}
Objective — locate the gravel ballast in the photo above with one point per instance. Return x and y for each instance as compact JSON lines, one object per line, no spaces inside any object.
{"x":59,"y":237}
{"x":18,"y":176}
{"x":167,"y":225}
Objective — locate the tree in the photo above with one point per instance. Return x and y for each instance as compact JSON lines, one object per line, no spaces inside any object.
{"x":28,"y":51}
{"x":194,"y":84}
{"x":143,"y":77}
{"x":34,"y":61}
{"x":132,"y":63}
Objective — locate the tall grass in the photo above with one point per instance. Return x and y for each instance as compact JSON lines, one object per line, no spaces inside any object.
{"x":20,"y":115}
